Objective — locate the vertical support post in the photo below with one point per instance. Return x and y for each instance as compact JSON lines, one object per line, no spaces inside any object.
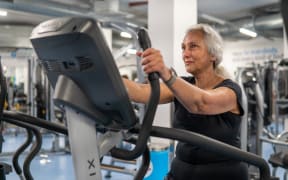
{"x":84,"y":146}
{"x":166,"y":30}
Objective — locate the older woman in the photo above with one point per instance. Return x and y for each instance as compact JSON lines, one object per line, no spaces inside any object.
{"x":206,"y":103}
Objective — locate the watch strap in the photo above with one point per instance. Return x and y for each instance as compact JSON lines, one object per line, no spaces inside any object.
{"x":172,"y":79}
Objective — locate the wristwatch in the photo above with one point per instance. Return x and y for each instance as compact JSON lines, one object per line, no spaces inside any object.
{"x":172,"y":79}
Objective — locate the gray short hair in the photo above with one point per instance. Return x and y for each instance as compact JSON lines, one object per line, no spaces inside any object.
{"x":212,"y":39}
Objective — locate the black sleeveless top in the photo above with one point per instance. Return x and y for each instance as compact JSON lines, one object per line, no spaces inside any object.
{"x":224,"y":127}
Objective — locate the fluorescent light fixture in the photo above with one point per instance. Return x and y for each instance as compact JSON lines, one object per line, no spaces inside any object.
{"x":126,"y":35}
{"x":3,"y":13}
{"x":131,"y":51}
{"x":247,"y":32}
{"x":213,"y":19}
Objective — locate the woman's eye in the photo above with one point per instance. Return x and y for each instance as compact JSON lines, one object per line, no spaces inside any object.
{"x":189,"y":46}
{"x":192,"y":45}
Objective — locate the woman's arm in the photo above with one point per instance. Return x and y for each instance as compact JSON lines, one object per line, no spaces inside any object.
{"x":194,"y":99}
{"x":201,"y":101}
{"x":141,"y":92}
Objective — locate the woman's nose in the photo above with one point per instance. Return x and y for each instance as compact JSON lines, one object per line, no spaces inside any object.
{"x":185,"y":53}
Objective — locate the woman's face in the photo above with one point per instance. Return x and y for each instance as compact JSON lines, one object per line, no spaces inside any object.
{"x":195,"y":53}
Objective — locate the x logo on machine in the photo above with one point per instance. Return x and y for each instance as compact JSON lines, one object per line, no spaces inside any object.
{"x":91,"y":164}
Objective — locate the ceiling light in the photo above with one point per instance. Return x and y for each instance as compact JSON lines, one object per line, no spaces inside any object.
{"x":3,"y":13}
{"x":247,"y":32}
{"x":125,"y":35}
{"x":131,"y":51}
{"x":213,"y":19}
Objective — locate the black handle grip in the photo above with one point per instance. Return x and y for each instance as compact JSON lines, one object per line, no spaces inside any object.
{"x":144,"y":39}
{"x":146,"y":126}
{"x":145,"y":43}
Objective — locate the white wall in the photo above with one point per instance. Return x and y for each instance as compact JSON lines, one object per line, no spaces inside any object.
{"x":167,"y":23}
{"x":243,"y":53}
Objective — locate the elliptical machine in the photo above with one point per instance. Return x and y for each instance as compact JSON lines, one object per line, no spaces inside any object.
{"x":88,"y":86}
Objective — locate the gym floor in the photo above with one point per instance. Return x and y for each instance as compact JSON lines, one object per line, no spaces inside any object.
{"x":59,"y":166}
{"x":48,"y":165}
